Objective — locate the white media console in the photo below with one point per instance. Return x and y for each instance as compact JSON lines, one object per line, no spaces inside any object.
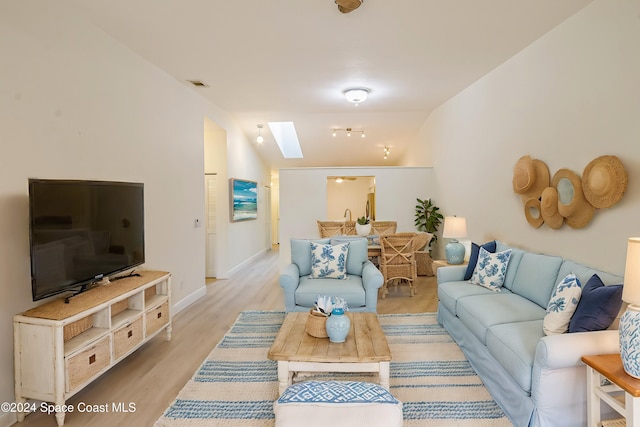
{"x":61,"y":347}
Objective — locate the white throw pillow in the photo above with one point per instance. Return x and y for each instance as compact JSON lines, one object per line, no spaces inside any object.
{"x":329,"y":261}
{"x":491,"y":269}
{"x":562,"y":305}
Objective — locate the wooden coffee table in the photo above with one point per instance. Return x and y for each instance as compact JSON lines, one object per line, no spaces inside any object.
{"x":365,"y":349}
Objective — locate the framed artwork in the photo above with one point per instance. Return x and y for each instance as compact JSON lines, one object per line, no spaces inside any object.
{"x":244,"y":199}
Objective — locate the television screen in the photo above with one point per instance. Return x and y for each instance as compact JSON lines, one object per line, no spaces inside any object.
{"x":81,"y":231}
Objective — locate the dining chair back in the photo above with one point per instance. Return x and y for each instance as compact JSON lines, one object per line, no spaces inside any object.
{"x":397,"y":260}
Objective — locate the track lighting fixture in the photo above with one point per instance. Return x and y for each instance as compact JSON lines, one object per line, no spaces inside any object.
{"x":349,"y":131}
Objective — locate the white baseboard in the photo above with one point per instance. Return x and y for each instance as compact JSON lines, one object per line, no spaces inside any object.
{"x":188,"y":300}
{"x":245,"y":263}
{"x":7,"y":419}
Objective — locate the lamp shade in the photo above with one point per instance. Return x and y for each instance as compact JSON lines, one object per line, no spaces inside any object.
{"x":454,"y":227}
{"x":631,"y":288}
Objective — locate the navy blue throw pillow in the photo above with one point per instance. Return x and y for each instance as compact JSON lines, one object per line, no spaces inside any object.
{"x":473,"y":258}
{"x":598,"y":307}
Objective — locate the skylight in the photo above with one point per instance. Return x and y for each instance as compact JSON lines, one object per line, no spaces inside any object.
{"x":287,"y":139}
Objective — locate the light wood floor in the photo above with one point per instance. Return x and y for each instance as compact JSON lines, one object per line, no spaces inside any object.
{"x":153,"y":375}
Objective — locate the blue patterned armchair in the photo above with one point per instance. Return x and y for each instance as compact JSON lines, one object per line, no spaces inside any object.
{"x":310,"y":274}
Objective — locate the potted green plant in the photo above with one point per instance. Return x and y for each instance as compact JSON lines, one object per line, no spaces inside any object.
{"x":428,"y":218}
{"x":363,"y":226}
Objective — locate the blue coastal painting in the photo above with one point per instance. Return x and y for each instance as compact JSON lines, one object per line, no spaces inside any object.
{"x":244,"y":200}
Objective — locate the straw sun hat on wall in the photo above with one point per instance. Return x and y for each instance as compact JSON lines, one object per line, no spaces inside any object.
{"x":572,"y":204}
{"x":530,"y":177}
{"x":567,"y":197}
{"x":604,"y":181}
{"x":346,"y":6}
{"x":549,"y":208}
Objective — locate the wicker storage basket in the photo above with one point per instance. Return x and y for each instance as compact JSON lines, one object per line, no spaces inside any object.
{"x":87,"y":363}
{"x":127,"y":337}
{"x":119,"y":307}
{"x":316,"y":324}
{"x":424,"y":263}
{"x":76,"y":328}
{"x":157,"y":318}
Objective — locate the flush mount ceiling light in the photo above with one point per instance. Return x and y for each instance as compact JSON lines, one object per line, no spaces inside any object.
{"x":349,"y":131}
{"x":259,"y":139}
{"x":356,"y":95}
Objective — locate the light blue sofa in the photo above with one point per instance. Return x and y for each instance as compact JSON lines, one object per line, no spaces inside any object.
{"x":537,"y":380}
{"x":360,"y":289}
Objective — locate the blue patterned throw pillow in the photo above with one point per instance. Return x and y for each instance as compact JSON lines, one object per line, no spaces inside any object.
{"x":329,"y":261}
{"x":491,"y":269}
{"x":562,"y":305}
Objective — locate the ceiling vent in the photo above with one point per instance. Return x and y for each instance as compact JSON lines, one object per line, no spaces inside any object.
{"x":198,"y":83}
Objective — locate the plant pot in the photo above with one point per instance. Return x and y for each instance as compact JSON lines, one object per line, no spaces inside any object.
{"x":363,"y":229}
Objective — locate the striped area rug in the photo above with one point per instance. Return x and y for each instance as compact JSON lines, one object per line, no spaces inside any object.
{"x":236,"y":385}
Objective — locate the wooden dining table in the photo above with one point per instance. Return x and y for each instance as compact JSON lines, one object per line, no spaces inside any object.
{"x":374,"y":250}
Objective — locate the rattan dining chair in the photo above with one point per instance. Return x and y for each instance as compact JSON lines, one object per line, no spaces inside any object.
{"x":397,"y":260}
{"x":330,"y":228}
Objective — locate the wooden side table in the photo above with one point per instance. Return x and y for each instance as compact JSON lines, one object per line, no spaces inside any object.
{"x":609,"y":366}
{"x":443,"y":263}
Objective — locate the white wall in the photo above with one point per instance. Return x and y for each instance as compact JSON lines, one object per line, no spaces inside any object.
{"x":571,"y":96}
{"x":76,"y":104}
{"x":303,"y":198}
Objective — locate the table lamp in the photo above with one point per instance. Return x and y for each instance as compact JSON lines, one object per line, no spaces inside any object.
{"x":454,"y":228}
{"x":630,"y":320}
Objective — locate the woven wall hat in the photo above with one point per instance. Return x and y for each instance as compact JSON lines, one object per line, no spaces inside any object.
{"x":549,"y":208}
{"x":530,"y":177}
{"x":346,"y":6}
{"x":572,"y":204}
{"x":604,"y":181}
{"x":532,"y":212}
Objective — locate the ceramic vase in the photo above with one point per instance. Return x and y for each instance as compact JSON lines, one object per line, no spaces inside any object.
{"x":338,"y":325}
{"x":630,"y":341}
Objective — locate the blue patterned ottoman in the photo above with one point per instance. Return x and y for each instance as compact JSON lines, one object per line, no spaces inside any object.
{"x":337,"y":404}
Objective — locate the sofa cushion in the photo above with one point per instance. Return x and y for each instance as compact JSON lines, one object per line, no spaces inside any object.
{"x":329,"y":261}
{"x":473,"y":258}
{"x":598,"y":306}
{"x":350,"y":289}
{"x":480,"y":312}
{"x":514,"y":346}
{"x":584,"y":273}
{"x":491,"y":269}
{"x":358,"y":252}
{"x":514,"y":262}
{"x":562,"y":305}
{"x":449,"y":293}
{"x":301,"y":253}
{"x":536,"y":277}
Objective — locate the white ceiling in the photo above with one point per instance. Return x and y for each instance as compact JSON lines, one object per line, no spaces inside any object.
{"x":290,"y":60}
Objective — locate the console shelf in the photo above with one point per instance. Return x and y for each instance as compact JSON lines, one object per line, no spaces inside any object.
{"x":61,"y":348}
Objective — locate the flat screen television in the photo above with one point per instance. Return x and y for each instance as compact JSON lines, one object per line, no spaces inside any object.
{"x":83,"y":231}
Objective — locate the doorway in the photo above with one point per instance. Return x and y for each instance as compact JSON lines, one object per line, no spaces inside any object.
{"x":210,"y":185}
